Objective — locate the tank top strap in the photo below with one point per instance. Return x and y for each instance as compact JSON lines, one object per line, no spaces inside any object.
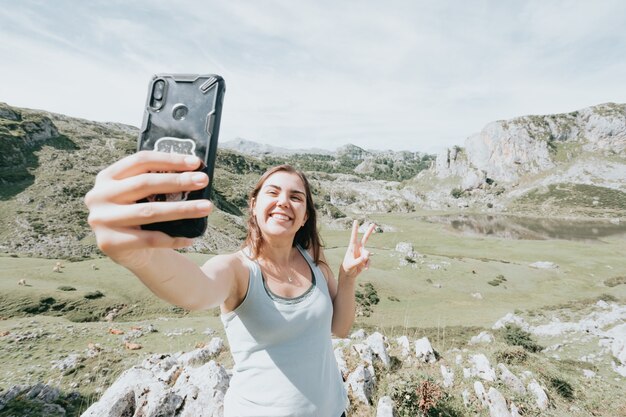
{"x":319,"y":277}
{"x":254,"y":277}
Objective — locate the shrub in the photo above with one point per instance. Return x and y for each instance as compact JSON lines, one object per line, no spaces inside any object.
{"x":94,"y":295}
{"x":615,"y":281}
{"x":456,"y":192}
{"x":366,"y":298}
{"x":511,"y":356}
{"x":81,"y":317}
{"x":516,"y":336}
{"x":562,"y":387}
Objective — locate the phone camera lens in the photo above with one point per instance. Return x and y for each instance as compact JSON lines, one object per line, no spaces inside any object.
{"x":179,"y":111}
{"x":159,"y":86}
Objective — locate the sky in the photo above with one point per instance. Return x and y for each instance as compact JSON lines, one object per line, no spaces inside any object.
{"x":400,"y":75}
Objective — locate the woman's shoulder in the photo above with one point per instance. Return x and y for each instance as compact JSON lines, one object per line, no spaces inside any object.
{"x":236,"y":262}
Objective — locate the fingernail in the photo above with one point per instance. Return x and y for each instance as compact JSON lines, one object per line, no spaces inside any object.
{"x":192,"y":160}
{"x":203,"y":205}
{"x":198,"y":178}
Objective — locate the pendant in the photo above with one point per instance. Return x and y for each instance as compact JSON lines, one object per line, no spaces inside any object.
{"x":290,"y":279}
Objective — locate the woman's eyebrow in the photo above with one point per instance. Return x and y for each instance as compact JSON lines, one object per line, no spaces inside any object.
{"x":278,"y":188}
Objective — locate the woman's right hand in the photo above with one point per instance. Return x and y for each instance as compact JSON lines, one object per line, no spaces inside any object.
{"x":116,"y":217}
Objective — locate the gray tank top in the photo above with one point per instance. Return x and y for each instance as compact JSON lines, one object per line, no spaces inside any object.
{"x":282,"y":349}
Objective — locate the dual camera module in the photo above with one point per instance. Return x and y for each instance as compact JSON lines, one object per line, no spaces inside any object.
{"x":157,"y":100}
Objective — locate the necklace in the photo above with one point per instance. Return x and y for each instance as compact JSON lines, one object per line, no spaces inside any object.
{"x":289,"y":277}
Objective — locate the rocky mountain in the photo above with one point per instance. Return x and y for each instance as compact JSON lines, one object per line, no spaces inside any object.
{"x":571,"y":164}
{"x":525,"y":162}
{"x":248,"y":147}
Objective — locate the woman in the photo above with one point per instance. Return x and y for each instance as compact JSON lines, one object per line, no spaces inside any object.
{"x":278,"y":297}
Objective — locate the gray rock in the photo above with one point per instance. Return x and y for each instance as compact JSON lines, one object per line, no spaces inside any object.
{"x":481,"y":367}
{"x":197,"y":391}
{"x":448,"y":376}
{"x":424,"y":351}
{"x":377,"y":342}
{"x":541,"y":398}
{"x":510,"y":380}
{"x":361,"y":383}
{"x":497,"y":404}
{"x":202,"y":355}
{"x":404,"y":344}
{"x":385,"y":407}
{"x":481,"y":394}
{"x":482,"y":337}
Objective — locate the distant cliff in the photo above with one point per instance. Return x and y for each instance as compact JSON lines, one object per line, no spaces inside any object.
{"x":507,"y":150}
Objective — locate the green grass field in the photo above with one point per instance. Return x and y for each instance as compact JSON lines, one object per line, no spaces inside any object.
{"x":432,"y":297}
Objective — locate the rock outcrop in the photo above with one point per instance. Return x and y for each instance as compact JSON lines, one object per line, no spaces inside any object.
{"x":504,"y":151}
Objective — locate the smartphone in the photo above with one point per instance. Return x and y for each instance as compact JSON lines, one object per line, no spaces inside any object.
{"x":182,"y":115}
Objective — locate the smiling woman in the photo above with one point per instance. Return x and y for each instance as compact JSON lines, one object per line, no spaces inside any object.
{"x":279,"y":299}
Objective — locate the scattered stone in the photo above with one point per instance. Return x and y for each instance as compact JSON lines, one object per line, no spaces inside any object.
{"x":424,"y":351}
{"x":208,"y":331}
{"x":448,"y":376}
{"x":377,"y":342}
{"x":5,"y":333}
{"x":362,"y":383}
{"x":365,"y":352}
{"x":132,"y":346}
{"x":497,"y":404}
{"x":481,"y":367}
{"x":615,"y":340}
{"x":68,"y":364}
{"x":544,"y":265}
{"x":483,"y":337}
{"x":477,"y":295}
{"x":541,"y":398}
{"x":511,"y":318}
{"x":404,"y":343}
{"x":588,"y":373}
{"x":481,"y":394}
{"x":466,"y":397}
{"x":385,"y":407}
{"x":115,"y":331}
{"x":514,"y":411}
{"x":358,"y":335}
{"x":180,"y":332}
{"x":341,"y":363}
{"x":510,"y":380}
{"x":202,"y":355}
{"x":21,"y":282}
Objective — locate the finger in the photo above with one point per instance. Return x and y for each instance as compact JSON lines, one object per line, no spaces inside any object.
{"x":355,"y":232}
{"x":146,"y":161}
{"x":367,"y":234}
{"x":116,"y":216}
{"x":129,"y":190}
{"x":132,"y":239}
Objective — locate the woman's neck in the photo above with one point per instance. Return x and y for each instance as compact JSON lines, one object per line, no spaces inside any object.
{"x":276,"y":253}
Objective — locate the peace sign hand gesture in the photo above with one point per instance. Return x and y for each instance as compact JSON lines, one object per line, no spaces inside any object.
{"x":357,"y":258}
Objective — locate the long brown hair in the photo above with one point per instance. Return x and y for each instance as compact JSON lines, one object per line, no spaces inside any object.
{"x":307,"y":236}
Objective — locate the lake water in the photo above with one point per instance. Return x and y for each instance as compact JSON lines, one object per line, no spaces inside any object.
{"x":529,"y":228}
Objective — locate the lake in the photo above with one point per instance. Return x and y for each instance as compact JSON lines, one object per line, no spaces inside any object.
{"x":529,"y":228}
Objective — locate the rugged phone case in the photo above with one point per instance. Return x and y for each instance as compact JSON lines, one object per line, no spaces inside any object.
{"x":182,"y":115}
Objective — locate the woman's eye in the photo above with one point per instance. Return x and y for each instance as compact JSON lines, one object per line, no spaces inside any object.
{"x":296,"y":198}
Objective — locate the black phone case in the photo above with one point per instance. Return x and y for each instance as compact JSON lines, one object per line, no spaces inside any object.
{"x":182,"y":115}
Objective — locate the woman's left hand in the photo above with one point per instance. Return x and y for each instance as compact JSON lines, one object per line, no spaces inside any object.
{"x":357,"y":258}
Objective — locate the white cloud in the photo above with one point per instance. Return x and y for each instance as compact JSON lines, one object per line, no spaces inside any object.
{"x":404,"y":75}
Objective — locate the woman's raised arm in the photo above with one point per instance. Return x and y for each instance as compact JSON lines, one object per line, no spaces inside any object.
{"x":116,"y":219}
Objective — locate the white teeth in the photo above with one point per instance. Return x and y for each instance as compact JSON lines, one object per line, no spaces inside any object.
{"x":280,"y":216}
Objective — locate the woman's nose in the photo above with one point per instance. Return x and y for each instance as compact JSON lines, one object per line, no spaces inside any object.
{"x":282,"y":199}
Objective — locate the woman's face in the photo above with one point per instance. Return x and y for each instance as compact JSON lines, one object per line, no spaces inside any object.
{"x":280,"y":205}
